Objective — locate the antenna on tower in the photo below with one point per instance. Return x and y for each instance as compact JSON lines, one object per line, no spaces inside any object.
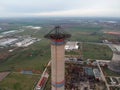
{"x":57,"y":33}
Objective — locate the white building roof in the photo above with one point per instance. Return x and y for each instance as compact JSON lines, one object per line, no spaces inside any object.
{"x":96,"y":73}
{"x":71,"y":45}
{"x":7,"y":41}
{"x":26,"y":42}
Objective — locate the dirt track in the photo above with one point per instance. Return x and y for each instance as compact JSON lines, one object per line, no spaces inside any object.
{"x":3,"y":75}
{"x":115,"y":55}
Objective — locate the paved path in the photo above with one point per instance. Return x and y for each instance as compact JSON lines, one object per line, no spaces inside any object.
{"x":3,"y":75}
{"x":103,"y":77}
{"x":115,"y":55}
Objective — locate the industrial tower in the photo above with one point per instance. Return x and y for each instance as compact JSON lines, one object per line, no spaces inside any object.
{"x":57,"y":38}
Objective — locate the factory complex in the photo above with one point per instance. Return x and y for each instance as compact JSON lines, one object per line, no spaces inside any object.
{"x":17,"y":41}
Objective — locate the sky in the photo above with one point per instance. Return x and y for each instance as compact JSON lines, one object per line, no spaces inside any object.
{"x":77,"y":8}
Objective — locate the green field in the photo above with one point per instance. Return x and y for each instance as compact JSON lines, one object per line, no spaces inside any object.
{"x":96,"y":51}
{"x":17,"y":81}
{"x":109,"y":72}
{"x":71,"y":53}
{"x":85,"y":33}
{"x":33,"y":57}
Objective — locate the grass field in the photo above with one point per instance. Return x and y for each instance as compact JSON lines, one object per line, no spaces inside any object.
{"x":48,"y":84}
{"x":33,"y":57}
{"x":17,"y":81}
{"x":108,"y":72}
{"x":95,"y":51}
{"x":73,"y":52}
{"x":85,"y":33}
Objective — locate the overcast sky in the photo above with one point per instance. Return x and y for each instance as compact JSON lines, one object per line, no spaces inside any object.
{"x":100,"y":8}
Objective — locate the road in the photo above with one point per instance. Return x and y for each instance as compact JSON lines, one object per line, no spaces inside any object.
{"x":102,"y":75}
{"x":3,"y":75}
{"x":115,"y":55}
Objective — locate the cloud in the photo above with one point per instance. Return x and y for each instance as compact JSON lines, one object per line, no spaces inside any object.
{"x":80,"y":12}
{"x":59,"y":8}
{"x":73,"y":12}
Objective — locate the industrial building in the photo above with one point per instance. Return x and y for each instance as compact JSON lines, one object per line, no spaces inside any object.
{"x":11,"y":32}
{"x":97,"y":74}
{"x":41,"y":83}
{"x":88,"y":71}
{"x":26,"y":42}
{"x":70,"y":45}
{"x":17,"y":41}
{"x":33,"y":27}
{"x":7,"y":41}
